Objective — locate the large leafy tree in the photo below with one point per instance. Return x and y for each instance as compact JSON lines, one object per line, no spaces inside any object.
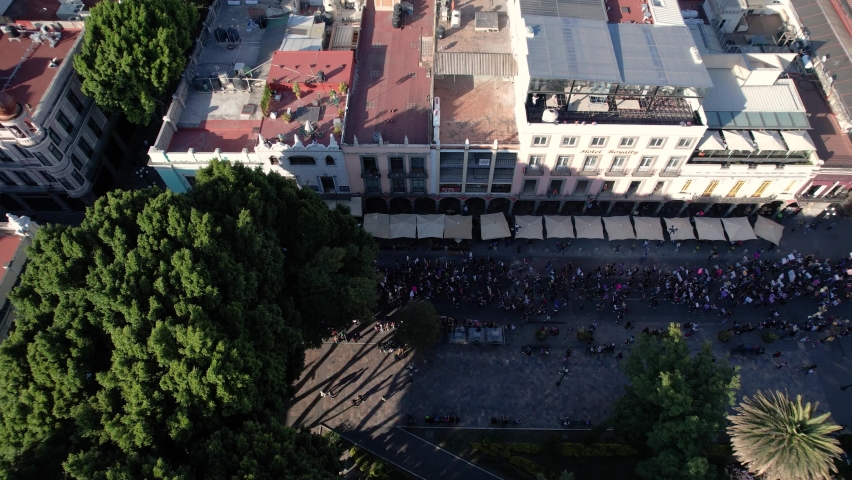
{"x":675,"y":404}
{"x":779,"y":438}
{"x":167,"y":327}
{"x":419,"y":324}
{"x":132,"y":51}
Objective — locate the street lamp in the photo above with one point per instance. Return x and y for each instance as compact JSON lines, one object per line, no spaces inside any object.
{"x":565,"y":372}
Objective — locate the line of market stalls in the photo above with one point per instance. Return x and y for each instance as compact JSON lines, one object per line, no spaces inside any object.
{"x":459,"y":229}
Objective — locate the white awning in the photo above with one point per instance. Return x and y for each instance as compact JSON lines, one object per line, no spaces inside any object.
{"x":648,"y":228}
{"x":589,"y":227}
{"x":711,"y":141}
{"x":738,"y":229}
{"x":768,"y":140}
{"x":738,"y":140}
{"x":798,"y":140}
{"x":528,"y":226}
{"x":619,"y":228}
{"x":769,"y":230}
{"x":403,"y":225}
{"x":709,"y":228}
{"x":679,"y":229}
{"x":458,"y":226}
{"x":430,"y":226}
{"x":377,"y":224}
{"x":494,"y":225}
{"x":559,"y":227}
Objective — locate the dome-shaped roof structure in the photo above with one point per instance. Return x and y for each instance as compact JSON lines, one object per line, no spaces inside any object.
{"x":8,"y":107}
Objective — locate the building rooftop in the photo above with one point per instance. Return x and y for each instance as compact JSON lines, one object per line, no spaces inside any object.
{"x":571,"y":48}
{"x":391,"y":94}
{"x":35,"y":10}
{"x":829,"y":36}
{"x":474,"y":59}
{"x":589,"y":9}
{"x":9,"y":245}
{"x":832,"y":145}
{"x":28,"y":80}
{"x":628,"y":11}
{"x":732,"y":105}
{"x":661,"y":55}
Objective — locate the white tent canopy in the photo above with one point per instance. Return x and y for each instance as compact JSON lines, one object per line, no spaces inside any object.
{"x":589,"y":227}
{"x":768,"y":140}
{"x":494,"y":225}
{"x":768,"y":230}
{"x":403,"y":225}
{"x":738,"y":140}
{"x":648,"y":228}
{"x":679,"y":229}
{"x":430,"y":226}
{"x":458,"y":226}
{"x":619,"y":228}
{"x":709,"y":228}
{"x":738,"y":229}
{"x":798,"y":140}
{"x":378,"y":224}
{"x":559,"y":227}
{"x":527,"y":226}
{"x":711,"y":141}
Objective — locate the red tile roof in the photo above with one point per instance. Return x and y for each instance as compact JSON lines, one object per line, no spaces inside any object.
{"x":8,"y":246}
{"x":228,"y":135}
{"x":31,"y":81}
{"x":289,"y":67}
{"x":625,"y":11}
{"x":392,"y":93}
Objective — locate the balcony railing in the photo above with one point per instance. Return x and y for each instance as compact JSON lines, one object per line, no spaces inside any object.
{"x":372,"y":173}
{"x":616,"y":173}
{"x":656,"y":111}
{"x":533,"y":170}
{"x":560,"y":172}
{"x":644,"y":173}
{"x":670,"y":173}
{"x":590,"y":172}
{"x":498,"y":176}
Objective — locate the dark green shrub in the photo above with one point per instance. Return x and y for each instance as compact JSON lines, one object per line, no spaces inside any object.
{"x":724,"y":336}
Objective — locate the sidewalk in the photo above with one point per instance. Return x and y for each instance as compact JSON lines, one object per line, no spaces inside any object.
{"x":414,"y":455}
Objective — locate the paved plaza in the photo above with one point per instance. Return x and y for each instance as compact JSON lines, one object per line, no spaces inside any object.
{"x":477,"y":383}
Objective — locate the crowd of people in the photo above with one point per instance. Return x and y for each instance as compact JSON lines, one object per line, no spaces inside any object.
{"x":749,"y":283}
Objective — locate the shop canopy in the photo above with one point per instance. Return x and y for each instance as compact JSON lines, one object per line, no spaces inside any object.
{"x":494,"y":225}
{"x":619,"y":228}
{"x":798,"y":140}
{"x":711,"y":141}
{"x":648,"y":228}
{"x":589,"y":227}
{"x":378,"y":224}
{"x":768,"y":140}
{"x":679,"y":229}
{"x":738,"y":140}
{"x":768,"y":230}
{"x":527,"y":226}
{"x":559,"y":227}
{"x":458,"y":226}
{"x":430,"y":226}
{"x":738,"y":229}
{"x":403,"y":225}
{"x":709,"y":228}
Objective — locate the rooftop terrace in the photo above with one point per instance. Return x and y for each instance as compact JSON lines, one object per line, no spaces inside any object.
{"x":832,"y":145}
{"x":476,"y":103}
{"x":27,"y":80}
{"x":391,"y":93}
{"x":35,"y":10}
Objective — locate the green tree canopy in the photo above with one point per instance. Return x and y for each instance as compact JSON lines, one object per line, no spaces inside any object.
{"x":165,"y":320}
{"x":778,"y":438}
{"x":418,"y":324}
{"x":132,"y":51}
{"x":675,"y":403}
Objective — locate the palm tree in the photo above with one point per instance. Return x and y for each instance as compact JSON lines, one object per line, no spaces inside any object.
{"x":779,"y":438}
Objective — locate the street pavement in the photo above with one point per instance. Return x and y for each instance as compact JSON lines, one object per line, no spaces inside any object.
{"x":477,"y":383}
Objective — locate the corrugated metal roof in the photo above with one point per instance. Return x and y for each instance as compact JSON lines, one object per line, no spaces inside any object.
{"x":487,"y":64}
{"x":728,"y":95}
{"x":341,"y":37}
{"x":571,"y":48}
{"x":657,"y":55}
{"x":590,"y":9}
